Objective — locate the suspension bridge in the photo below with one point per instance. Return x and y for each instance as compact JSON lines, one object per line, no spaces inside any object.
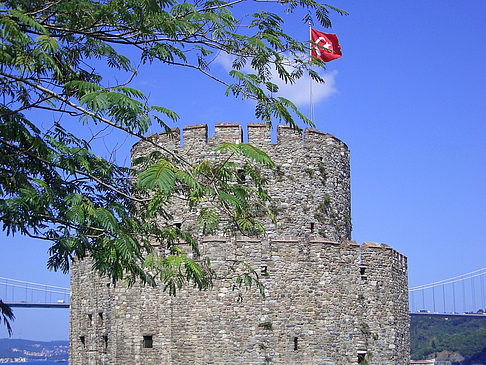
{"x":25,"y":294}
{"x":460,"y":295}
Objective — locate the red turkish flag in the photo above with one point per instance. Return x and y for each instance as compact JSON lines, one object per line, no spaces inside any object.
{"x":329,"y":48}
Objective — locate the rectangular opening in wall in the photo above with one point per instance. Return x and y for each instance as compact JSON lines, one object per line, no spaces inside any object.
{"x":105,"y":343}
{"x":82,"y":339}
{"x":147,"y":342}
{"x":312,"y":227}
{"x":241,"y":175}
{"x":90,"y":319}
{"x":296,"y":343}
{"x":362,"y":272}
{"x":361,"y":357}
{"x":264,"y":271}
{"x":100,"y":316}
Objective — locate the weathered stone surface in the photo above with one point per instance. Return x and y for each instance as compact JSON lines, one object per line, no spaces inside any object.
{"x":327,"y":298}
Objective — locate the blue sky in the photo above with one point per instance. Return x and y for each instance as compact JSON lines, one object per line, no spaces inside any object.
{"x":409,"y":99}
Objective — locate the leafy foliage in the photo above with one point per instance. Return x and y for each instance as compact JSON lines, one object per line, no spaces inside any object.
{"x":431,"y":334}
{"x":7,"y":316}
{"x":54,"y":187}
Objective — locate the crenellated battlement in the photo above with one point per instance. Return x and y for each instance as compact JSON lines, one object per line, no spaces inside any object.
{"x":371,"y":254}
{"x":383,"y":254}
{"x":310,"y":188}
{"x":259,"y":134}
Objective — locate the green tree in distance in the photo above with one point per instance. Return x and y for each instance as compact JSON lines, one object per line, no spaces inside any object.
{"x":54,"y":187}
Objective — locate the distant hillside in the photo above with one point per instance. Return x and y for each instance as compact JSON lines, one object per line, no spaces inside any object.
{"x":33,"y":350}
{"x":461,"y":340}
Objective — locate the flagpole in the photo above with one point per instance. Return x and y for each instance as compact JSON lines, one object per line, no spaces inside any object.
{"x":310,"y":77}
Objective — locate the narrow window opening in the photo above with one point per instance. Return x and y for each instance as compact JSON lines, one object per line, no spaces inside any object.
{"x":241,"y":175}
{"x":100,"y":315}
{"x":82,"y":339}
{"x":296,"y":343}
{"x":362,"y":271}
{"x":264,"y":270}
{"x":312,"y":227}
{"x":147,"y":342}
{"x":105,"y":343}
{"x":90,"y":319}
{"x":362,"y":357}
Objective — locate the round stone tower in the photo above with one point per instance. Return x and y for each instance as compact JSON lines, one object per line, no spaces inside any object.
{"x":310,"y":189}
{"x":328,"y":300}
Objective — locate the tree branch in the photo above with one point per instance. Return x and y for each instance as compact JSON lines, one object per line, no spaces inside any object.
{"x":90,"y":176}
{"x":95,"y":116}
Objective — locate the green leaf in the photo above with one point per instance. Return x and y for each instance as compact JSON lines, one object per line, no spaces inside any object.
{"x":247,"y":150}
{"x":69,"y":73}
{"x":161,"y":174}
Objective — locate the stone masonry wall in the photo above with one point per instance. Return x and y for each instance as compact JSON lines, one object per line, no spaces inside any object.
{"x":328,"y":300}
{"x":384,"y":302}
{"x":312,"y":185}
{"x":318,"y":310}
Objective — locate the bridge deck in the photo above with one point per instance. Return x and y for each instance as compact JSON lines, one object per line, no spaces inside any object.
{"x":448,"y":314}
{"x":37,"y":305}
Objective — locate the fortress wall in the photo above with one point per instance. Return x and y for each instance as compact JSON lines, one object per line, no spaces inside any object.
{"x":306,"y":298}
{"x":310,"y":189}
{"x":314,"y":298}
{"x":87,"y":327}
{"x":319,"y":306}
{"x":227,"y":132}
{"x":259,"y":134}
{"x":139,"y":311}
{"x":194,"y":136}
{"x":127,"y":315}
{"x":400,"y":278}
{"x":314,"y":294}
{"x":210,"y":331}
{"x":170,"y":140}
{"x":385,"y":310}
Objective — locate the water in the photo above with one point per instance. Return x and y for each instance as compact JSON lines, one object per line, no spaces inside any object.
{"x":39,"y":363}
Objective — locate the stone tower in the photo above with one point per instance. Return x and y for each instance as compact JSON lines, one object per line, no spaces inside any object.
{"x":328,"y":299}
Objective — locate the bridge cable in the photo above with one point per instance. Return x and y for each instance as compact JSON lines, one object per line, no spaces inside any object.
{"x":443,"y":297}
{"x":463,"y":296}
{"x":31,"y":283}
{"x":473,"y":294}
{"x":433,"y":297}
{"x":442,"y":282}
{"x":478,"y":272}
{"x":482,"y":293}
{"x":454,"y":296}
